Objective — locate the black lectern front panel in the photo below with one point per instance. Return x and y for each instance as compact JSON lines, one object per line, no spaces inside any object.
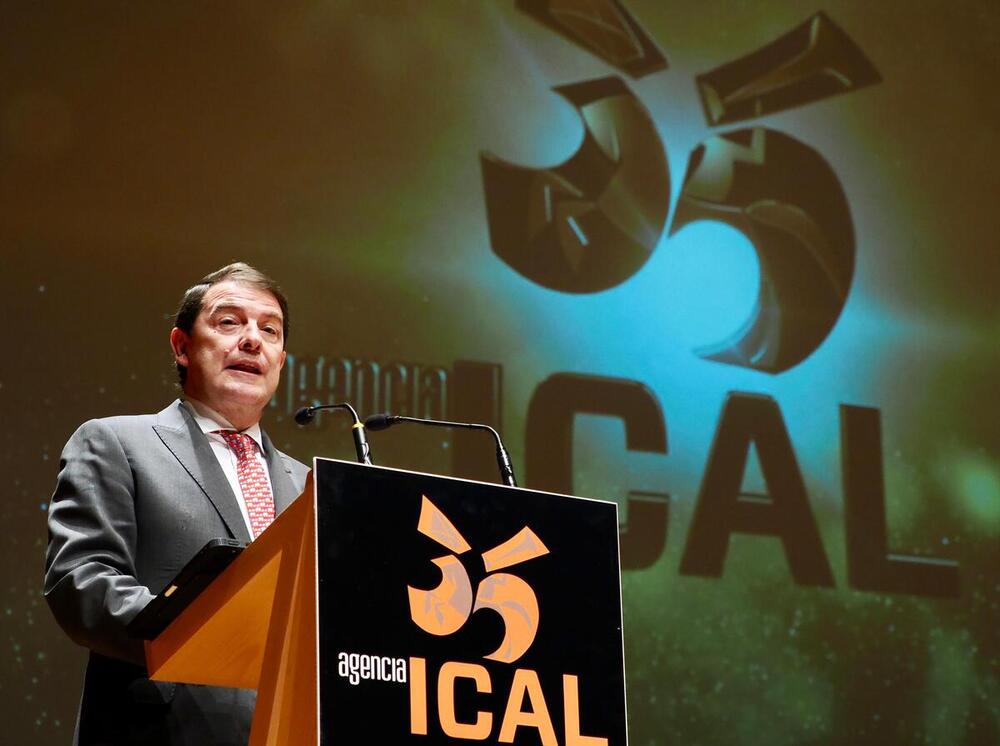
{"x":454,"y":611}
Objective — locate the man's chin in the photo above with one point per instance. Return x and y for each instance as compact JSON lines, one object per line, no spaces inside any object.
{"x":242,"y":394}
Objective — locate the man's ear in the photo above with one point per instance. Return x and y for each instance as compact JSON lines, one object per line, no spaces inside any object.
{"x":281,"y":364}
{"x":179,"y":343}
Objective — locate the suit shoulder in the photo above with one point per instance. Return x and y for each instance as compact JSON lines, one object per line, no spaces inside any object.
{"x":115,"y":432}
{"x":118,"y":424}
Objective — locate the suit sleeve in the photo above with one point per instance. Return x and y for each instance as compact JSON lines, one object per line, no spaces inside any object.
{"x":90,"y":582}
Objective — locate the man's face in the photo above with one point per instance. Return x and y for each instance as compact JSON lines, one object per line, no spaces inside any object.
{"x":235,"y":351}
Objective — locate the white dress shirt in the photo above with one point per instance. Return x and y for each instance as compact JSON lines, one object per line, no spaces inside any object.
{"x":209,"y":420}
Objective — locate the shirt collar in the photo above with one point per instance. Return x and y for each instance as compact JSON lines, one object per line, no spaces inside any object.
{"x":209,"y":421}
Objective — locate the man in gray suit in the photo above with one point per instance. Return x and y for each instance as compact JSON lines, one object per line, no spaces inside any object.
{"x":138,"y":496}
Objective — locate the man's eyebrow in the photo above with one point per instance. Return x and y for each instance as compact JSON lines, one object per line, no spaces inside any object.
{"x":223,"y":307}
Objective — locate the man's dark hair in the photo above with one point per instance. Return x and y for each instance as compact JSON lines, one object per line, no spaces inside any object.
{"x":239,"y":272}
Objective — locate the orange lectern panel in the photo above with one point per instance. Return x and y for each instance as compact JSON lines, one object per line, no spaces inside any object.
{"x":255,"y":628}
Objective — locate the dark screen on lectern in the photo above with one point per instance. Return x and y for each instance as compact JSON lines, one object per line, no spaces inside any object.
{"x":370,"y":553}
{"x":730,"y":265}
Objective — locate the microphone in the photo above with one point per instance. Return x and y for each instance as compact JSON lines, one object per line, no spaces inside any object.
{"x":305,"y":415}
{"x":385,"y":420}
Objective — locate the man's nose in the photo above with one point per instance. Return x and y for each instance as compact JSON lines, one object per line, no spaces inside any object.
{"x":251,"y":339}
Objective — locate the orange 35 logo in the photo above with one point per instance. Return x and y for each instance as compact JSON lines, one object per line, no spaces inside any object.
{"x":444,"y":609}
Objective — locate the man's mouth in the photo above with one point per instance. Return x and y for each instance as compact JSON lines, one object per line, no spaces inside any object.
{"x":245,"y":368}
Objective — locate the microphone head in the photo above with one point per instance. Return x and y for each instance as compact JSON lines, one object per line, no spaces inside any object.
{"x":379,"y":421}
{"x":305,"y":415}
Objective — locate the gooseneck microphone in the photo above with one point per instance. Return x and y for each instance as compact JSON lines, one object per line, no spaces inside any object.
{"x":307,"y":414}
{"x":385,"y":420}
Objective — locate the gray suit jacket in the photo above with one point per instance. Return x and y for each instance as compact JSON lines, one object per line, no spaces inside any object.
{"x":136,"y":498}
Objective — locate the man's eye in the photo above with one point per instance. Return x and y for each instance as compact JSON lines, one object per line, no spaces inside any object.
{"x":273,"y":331}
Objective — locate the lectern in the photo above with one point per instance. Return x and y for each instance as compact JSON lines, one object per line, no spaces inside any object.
{"x":391,"y":607}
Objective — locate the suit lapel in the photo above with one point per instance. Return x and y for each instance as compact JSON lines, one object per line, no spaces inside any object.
{"x":191,"y":448}
{"x":282,"y":486}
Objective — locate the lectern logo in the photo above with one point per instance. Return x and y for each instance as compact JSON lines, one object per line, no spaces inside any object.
{"x":444,"y":609}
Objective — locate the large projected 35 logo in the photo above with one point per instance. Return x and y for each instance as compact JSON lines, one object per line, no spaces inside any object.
{"x":444,"y":609}
{"x":590,"y":223}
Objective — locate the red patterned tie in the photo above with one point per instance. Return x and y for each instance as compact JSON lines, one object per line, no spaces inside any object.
{"x":253,"y":480}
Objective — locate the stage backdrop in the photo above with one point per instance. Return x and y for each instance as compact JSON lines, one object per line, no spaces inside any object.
{"x":732,"y":265}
